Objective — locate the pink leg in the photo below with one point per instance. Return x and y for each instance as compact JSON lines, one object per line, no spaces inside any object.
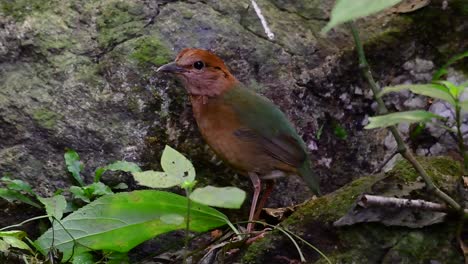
{"x":268,"y":189}
{"x":257,"y":184}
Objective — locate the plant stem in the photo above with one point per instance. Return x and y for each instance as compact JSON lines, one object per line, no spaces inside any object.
{"x":461,"y":143}
{"x":187,"y":223}
{"x":402,"y":147}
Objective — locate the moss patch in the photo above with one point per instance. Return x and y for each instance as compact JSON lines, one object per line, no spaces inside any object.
{"x":19,"y":9}
{"x":150,"y":49}
{"x":46,"y":118}
{"x":442,"y":170}
{"x":119,"y":21}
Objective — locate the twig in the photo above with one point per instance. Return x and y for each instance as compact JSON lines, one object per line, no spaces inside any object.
{"x":402,"y":147}
{"x":387,"y":160}
{"x":382,"y":201}
{"x":263,"y":20}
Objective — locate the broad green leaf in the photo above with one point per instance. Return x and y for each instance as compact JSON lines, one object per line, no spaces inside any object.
{"x":74,"y":165}
{"x":83,"y":258}
{"x":401,"y":117}
{"x":12,"y":195}
{"x":443,"y":70}
{"x":16,"y":242}
{"x":121,"y":221}
{"x":226,"y":197}
{"x":17,"y":185}
{"x":454,"y":90}
{"x":348,"y":10}
{"x":54,"y":206}
{"x":116,"y":166}
{"x":432,"y":90}
{"x":175,"y":164}
{"x":156,"y":179}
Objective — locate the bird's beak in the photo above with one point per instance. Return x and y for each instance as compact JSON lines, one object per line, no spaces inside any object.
{"x":170,"y":68}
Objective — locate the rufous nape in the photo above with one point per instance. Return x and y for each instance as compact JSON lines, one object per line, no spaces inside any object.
{"x":246,"y":130}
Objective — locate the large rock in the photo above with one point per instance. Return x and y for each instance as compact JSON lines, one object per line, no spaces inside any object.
{"x":80,"y":74}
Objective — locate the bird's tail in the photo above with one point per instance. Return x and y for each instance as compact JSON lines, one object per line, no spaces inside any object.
{"x":310,"y":177}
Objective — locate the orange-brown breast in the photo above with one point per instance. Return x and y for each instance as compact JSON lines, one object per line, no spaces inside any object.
{"x":217,"y":123}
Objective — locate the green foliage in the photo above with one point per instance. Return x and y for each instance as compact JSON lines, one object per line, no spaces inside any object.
{"x":340,"y":131}
{"x":17,"y":190}
{"x":13,"y":239}
{"x":116,"y":166}
{"x":226,"y":197}
{"x":348,"y":10}
{"x":121,"y":221}
{"x":74,"y":165}
{"x":443,"y":90}
{"x":54,"y":206}
{"x":90,"y":192}
{"x":432,"y":90}
{"x":415,"y":116}
{"x":177,"y":169}
{"x":443,"y":70}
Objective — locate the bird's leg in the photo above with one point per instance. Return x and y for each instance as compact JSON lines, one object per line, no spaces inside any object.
{"x":257,"y":184}
{"x":268,"y":189}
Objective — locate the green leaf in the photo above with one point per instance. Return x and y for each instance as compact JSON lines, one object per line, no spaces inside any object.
{"x":226,"y":197}
{"x":12,"y":195}
{"x":464,"y":106}
{"x":15,"y":233}
{"x":83,"y":258}
{"x":177,"y":165}
{"x":88,"y":192}
{"x":74,"y":165}
{"x":121,"y":221}
{"x":401,"y":117}
{"x":117,"y":258}
{"x":17,"y":185}
{"x":16,"y":243}
{"x":117,"y":166}
{"x":432,"y":90}
{"x":348,"y":10}
{"x":156,"y":179}
{"x":443,"y":70}
{"x":4,"y":246}
{"x":54,"y":206}
{"x":98,"y":189}
{"x":454,"y":90}
{"x":79,"y":193}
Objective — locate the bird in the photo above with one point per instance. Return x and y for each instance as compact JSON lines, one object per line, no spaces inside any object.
{"x":245,"y":129}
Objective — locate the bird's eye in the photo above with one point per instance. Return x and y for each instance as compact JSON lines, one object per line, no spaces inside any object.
{"x":198,"y":65}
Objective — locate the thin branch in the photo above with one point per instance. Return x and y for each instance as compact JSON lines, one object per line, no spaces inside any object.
{"x":263,"y":20}
{"x":381,"y":201}
{"x":382,"y":109}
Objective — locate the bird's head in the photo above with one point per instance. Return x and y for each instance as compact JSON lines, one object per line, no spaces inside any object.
{"x":202,"y":72}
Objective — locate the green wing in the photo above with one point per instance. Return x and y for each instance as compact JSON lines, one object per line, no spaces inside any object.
{"x":264,"y":123}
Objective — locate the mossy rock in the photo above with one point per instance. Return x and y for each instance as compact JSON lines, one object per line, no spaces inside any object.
{"x":364,"y":242}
